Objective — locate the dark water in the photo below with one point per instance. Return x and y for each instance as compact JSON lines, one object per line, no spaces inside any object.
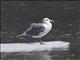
{"x":17,"y":15}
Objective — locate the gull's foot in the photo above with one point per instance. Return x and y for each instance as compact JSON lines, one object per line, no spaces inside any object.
{"x":42,"y":43}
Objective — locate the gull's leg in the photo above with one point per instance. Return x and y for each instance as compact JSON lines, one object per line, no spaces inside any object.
{"x":41,"y":42}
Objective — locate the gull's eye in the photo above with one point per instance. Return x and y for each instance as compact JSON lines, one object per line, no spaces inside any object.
{"x":46,"y":20}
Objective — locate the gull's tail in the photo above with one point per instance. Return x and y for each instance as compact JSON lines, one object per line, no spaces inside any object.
{"x":20,"y":35}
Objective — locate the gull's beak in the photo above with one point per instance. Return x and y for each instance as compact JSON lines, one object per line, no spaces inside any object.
{"x":52,"y":21}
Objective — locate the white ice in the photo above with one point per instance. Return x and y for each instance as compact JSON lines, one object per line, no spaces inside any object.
{"x":29,"y":47}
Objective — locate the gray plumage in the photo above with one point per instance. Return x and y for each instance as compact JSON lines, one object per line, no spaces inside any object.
{"x":38,"y":30}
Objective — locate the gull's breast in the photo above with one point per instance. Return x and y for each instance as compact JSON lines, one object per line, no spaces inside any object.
{"x":47,"y":29}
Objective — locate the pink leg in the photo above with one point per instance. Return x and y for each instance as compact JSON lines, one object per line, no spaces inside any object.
{"x":41,"y":42}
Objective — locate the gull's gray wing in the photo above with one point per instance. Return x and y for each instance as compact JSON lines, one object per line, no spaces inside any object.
{"x":35,"y":29}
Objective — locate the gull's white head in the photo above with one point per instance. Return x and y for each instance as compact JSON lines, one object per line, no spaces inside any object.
{"x":47,"y":20}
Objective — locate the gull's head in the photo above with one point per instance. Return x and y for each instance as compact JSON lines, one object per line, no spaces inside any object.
{"x":47,"y":20}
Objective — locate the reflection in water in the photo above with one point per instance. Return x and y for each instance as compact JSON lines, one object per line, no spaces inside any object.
{"x":39,"y":55}
{"x":26,"y":56}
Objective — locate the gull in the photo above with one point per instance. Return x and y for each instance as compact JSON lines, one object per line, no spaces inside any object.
{"x":38,"y":30}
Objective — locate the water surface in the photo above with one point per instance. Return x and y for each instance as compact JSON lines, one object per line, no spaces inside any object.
{"x":17,"y":15}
